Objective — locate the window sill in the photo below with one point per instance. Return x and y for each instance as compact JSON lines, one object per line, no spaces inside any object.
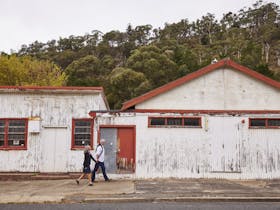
{"x":12,"y":148}
{"x":55,"y":126}
{"x":254,"y":127}
{"x":173,"y":126}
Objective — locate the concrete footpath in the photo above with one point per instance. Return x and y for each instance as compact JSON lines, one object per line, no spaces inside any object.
{"x":63,"y":189}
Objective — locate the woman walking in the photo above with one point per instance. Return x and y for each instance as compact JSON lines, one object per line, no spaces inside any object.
{"x":86,"y":166}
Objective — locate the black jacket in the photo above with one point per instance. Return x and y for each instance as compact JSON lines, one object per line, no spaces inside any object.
{"x":88,"y":156}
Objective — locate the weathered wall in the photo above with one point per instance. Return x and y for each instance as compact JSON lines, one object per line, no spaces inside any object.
{"x":49,"y":150}
{"x":223,"y":148}
{"x":223,"y":89}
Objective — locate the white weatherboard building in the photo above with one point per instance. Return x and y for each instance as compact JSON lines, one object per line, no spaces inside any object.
{"x":222,"y":121}
{"x":44,"y":129}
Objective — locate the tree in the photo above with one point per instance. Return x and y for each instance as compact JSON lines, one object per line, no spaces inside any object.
{"x":64,"y":58}
{"x":263,"y":22}
{"x":181,"y":32}
{"x":85,"y":71}
{"x":28,"y":71}
{"x":154,"y":64}
{"x":126,"y":84}
{"x":263,"y":69}
{"x":186,"y":59}
{"x":206,"y":28}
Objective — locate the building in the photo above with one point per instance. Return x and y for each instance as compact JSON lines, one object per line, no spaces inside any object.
{"x":222,"y":121}
{"x":44,"y":129}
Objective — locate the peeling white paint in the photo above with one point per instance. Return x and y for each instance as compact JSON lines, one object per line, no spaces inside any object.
{"x":226,"y":149}
{"x":48,"y":150}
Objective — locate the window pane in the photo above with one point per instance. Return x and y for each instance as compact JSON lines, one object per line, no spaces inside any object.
{"x":82,"y":130}
{"x":1,"y":140}
{"x":82,"y":123}
{"x":82,"y":139}
{"x":16,"y":129}
{"x":16,"y":132}
{"x":191,"y":121}
{"x":273,"y":122}
{"x":19,"y":123}
{"x":16,"y":139}
{"x":2,"y":126}
{"x":174,"y":121}
{"x":82,"y":133}
{"x":157,"y":121}
{"x":257,"y":122}
{"x":16,"y":126}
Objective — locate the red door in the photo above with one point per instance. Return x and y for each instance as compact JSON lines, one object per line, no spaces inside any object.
{"x":126,"y":149}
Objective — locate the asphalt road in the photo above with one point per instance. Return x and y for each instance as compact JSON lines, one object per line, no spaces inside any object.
{"x":150,"y":206}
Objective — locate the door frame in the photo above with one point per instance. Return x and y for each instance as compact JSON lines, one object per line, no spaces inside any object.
{"x":235,"y":126}
{"x":51,"y":136}
{"x":133,"y":127}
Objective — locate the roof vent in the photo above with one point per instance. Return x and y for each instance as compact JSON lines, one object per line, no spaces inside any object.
{"x":214,"y":61}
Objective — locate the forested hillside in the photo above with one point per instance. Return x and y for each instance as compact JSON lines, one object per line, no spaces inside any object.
{"x":134,"y":61}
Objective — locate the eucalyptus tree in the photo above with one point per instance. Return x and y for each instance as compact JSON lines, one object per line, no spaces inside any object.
{"x":155,"y":64}
{"x":124,"y":85}
{"x":263,"y":23}
{"x":85,"y":71}
{"x":25,"y":70}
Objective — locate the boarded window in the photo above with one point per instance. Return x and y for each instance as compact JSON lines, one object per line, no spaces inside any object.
{"x":82,"y":132}
{"x":13,"y":133}
{"x":174,"y":122}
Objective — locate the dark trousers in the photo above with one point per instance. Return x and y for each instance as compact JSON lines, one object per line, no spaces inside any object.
{"x":101,"y":164}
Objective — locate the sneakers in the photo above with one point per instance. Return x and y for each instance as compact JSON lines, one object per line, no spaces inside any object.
{"x":78,"y":182}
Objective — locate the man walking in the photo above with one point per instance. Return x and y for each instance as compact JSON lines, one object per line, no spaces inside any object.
{"x":100,"y":154}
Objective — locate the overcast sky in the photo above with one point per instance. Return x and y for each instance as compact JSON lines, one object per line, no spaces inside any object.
{"x":25,"y":21}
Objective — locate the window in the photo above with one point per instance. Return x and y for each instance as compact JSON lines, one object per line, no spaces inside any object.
{"x":264,"y":123}
{"x":82,"y":133}
{"x":157,"y":121}
{"x":13,"y":134}
{"x":2,"y":133}
{"x":192,"y":121}
{"x":273,"y":122}
{"x":175,"y":122}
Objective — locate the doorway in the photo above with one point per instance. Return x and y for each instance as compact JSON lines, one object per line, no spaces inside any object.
{"x":225,"y":144}
{"x":54,"y":150}
{"x":119,"y":147}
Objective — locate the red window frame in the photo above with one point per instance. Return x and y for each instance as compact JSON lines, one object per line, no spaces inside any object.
{"x":173,"y":126}
{"x":75,"y":147}
{"x":266,"y":123}
{"x":6,"y":133}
